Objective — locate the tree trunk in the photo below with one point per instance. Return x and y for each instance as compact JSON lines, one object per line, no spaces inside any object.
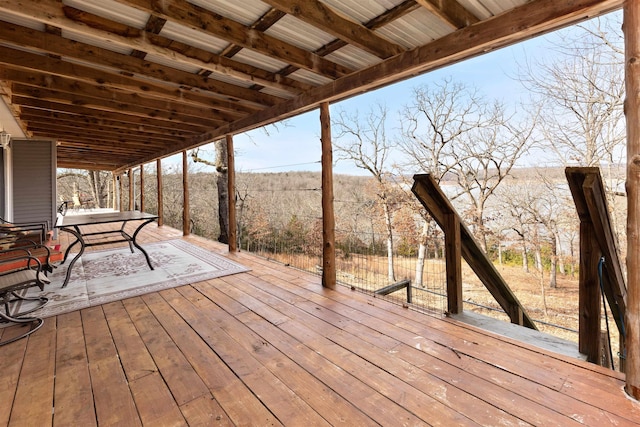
{"x":561,"y":266}
{"x":387,"y":220}
{"x":481,"y":232}
{"x":96,"y":184}
{"x":422,"y":250}
{"x":525,"y":256}
{"x":538,"y":256}
{"x":553,"y":283}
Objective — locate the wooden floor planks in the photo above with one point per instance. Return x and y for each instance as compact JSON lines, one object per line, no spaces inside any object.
{"x":271,"y":347}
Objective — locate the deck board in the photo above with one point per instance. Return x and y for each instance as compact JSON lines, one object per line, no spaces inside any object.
{"x":73,"y":393}
{"x":34,"y":396}
{"x":271,"y":347}
{"x":111,"y":393}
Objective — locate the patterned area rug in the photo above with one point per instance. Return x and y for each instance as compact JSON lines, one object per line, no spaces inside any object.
{"x":100,"y":277}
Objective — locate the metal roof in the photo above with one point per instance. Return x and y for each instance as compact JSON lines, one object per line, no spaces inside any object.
{"x":122,"y":82}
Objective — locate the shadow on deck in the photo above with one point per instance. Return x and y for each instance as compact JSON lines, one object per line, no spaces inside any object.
{"x":271,"y":347}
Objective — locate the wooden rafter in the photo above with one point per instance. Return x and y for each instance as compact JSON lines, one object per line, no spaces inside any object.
{"x":47,"y":72}
{"x":450,"y":11}
{"x":325,"y":18}
{"x":531,"y":19}
{"x":110,"y":59}
{"x":118,"y":70}
{"x":212,"y":23}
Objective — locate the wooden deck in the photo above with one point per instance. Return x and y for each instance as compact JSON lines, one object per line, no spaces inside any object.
{"x":271,"y":347}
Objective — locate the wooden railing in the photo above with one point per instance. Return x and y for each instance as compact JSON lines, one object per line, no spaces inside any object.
{"x":597,"y":240}
{"x":394,"y":287}
{"x":460,"y":243}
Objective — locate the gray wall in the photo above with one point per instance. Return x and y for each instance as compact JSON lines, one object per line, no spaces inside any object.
{"x":34,"y":180}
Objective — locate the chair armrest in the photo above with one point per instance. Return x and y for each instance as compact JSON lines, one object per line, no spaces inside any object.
{"x":24,"y":269}
{"x":25,"y":229}
{"x":39,"y":251}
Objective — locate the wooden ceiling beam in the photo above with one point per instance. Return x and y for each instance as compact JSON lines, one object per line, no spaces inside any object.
{"x":75,"y":20}
{"x":187,"y":14}
{"x":204,"y":20}
{"x":54,"y":107}
{"x":50,"y":43}
{"x":105,"y":96}
{"x":30,"y":115}
{"x":323,"y":17}
{"x":101,"y":146}
{"x":149,"y":41}
{"x":100,"y":132}
{"x":43,"y":71}
{"x":531,"y":19}
{"x":87,"y":146}
{"x":390,"y":15}
{"x":21,"y":93}
{"x":67,"y":162}
{"x":265,"y":22}
{"x":450,"y":11}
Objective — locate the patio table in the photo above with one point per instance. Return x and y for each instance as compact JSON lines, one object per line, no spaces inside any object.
{"x":73,"y":224}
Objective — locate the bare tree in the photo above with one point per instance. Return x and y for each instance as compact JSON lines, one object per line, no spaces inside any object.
{"x":450,"y":131}
{"x":484,"y":158}
{"x":581,"y":92}
{"x":94,"y":184}
{"x":364,"y":141}
{"x":222,"y":180}
{"x":436,"y":117}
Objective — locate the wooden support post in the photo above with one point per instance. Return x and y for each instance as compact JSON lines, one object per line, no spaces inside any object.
{"x":186,"y":218}
{"x":453,"y":255}
{"x":328,"y":219}
{"x":120,"y":194}
{"x":160,"y":194}
{"x":631,"y":28}
{"x":131,"y":192}
{"x":114,"y":197}
{"x":141,"y":188}
{"x":589,"y":307}
{"x":231,"y":193}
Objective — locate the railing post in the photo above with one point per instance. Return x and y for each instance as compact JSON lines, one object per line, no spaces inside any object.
{"x":453,"y":256}
{"x":589,"y":294}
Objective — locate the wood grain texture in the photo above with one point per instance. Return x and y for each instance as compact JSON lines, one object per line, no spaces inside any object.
{"x":272,"y":347}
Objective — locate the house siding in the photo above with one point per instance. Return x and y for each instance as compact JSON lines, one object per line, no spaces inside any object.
{"x":34,"y":181}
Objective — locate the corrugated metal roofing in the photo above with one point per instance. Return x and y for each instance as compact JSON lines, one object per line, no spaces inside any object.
{"x":244,"y":11}
{"x":113,"y":10}
{"x":237,"y":64}
{"x":190,"y":36}
{"x":416,"y":29}
{"x":292,"y":30}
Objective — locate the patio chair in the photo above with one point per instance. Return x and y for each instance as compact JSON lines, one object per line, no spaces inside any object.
{"x":35,"y":231}
{"x":31,"y":237}
{"x":13,"y":284}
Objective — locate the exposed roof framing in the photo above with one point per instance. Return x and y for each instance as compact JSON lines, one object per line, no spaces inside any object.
{"x":122,"y":82}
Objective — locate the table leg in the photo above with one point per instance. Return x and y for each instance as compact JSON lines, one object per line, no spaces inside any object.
{"x":133,"y":240}
{"x":126,"y":236}
{"x":68,"y":251}
{"x":79,"y":238}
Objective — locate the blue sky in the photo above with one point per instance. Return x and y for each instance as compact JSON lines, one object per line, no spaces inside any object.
{"x":296,"y":145}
